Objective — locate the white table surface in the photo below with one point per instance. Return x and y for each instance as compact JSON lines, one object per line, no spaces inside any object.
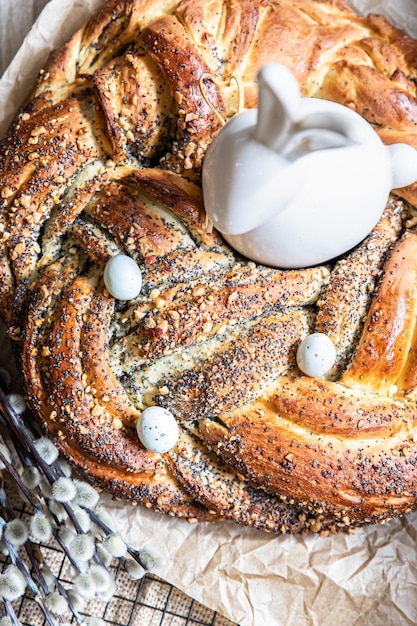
{"x":16,"y":19}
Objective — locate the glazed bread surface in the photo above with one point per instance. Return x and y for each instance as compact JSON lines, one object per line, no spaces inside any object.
{"x":104,"y":159}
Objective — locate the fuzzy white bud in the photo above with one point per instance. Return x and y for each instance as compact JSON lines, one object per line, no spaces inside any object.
{"x":48,"y":575}
{"x":40,"y":528}
{"x":63,"y":489}
{"x":66,"y":534}
{"x":65,"y":467}
{"x":83,"y":518}
{"x":85,"y":494}
{"x":85,"y":585}
{"x":31,"y":477}
{"x":45,"y":487}
{"x":16,"y":532}
{"x":151,"y":560}
{"x":108,"y":593}
{"x":12,"y":583}
{"x":76,"y":600}
{"x":47,"y":450}
{"x":134,"y":569}
{"x":102,"y":578}
{"x":58,"y":510}
{"x":106,"y":518}
{"x":17,"y":402}
{"x":82,"y":548}
{"x":104,"y":555}
{"x":6,"y":621}
{"x":56,"y":603}
{"x":115,"y":545}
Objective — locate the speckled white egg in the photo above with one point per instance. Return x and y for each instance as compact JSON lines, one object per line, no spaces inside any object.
{"x":122,"y":277}
{"x":157,"y":429}
{"x":316,"y":354}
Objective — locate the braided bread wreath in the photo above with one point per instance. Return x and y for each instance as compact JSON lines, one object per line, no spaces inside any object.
{"x":105,"y":159}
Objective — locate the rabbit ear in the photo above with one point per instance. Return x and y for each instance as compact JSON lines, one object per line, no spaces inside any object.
{"x":404,"y":164}
{"x":279,"y":105}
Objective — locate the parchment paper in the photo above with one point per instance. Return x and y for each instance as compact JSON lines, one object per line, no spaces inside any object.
{"x":255,"y":579}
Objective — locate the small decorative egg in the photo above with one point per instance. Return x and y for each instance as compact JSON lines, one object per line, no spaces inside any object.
{"x":122,"y":277}
{"x":316,"y":354}
{"x":157,"y":429}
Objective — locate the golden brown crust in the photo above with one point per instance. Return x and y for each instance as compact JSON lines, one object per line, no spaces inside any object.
{"x":353,"y":440}
{"x":90,"y":408}
{"x":346,"y":298}
{"x":349,"y":471}
{"x":105,"y":159}
{"x":389,"y":333}
{"x":220,"y":489}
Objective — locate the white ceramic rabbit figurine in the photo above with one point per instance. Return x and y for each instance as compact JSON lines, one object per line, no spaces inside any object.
{"x":299,"y":181}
